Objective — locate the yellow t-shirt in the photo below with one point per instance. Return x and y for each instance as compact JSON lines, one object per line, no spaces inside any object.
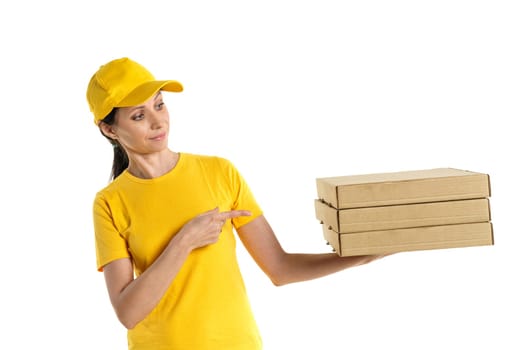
{"x":206,"y":306}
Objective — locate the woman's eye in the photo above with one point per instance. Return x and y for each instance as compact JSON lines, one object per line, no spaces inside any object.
{"x":160,"y":105}
{"x":138,"y":117}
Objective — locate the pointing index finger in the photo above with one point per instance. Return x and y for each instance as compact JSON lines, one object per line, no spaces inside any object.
{"x":225,"y":215}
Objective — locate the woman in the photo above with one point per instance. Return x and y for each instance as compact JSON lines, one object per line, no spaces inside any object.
{"x":164,"y":227}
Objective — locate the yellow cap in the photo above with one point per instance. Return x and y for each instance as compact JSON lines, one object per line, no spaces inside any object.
{"x":123,"y":83}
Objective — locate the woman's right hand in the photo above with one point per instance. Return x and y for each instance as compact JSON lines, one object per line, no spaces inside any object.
{"x":205,"y":228}
{"x":134,"y":298}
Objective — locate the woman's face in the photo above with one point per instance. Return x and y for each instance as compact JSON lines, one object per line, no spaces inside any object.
{"x":142,"y":129}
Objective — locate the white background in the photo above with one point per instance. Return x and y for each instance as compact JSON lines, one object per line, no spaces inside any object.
{"x":289,"y":91}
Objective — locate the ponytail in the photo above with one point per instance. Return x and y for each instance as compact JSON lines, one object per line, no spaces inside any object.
{"x":120,"y":158}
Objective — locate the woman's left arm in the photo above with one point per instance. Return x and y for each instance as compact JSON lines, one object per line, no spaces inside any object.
{"x":282,"y":267}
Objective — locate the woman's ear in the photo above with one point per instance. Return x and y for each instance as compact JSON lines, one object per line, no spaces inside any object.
{"x":107,"y":130}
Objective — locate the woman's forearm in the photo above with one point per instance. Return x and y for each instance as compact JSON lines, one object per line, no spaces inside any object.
{"x":134,"y":299}
{"x":138,"y":298}
{"x":282,"y":267}
{"x":303,"y":267}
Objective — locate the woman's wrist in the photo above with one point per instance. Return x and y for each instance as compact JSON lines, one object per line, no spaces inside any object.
{"x":179,"y":244}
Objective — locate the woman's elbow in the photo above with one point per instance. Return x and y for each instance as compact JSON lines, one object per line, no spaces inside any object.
{"x":277,"y":282}
{"x":279,"y":277}
{"x":129,"y":325}
{"x":126,"y":320}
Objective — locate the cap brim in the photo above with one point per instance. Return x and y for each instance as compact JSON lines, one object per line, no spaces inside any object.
{"x":144,"y":92}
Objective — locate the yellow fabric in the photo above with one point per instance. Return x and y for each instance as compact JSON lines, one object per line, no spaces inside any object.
{"x":206,"y":306}
{"x":123,"y":83}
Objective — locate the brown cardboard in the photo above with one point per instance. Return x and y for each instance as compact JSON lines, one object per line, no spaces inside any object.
{"x":410,"y":239}
{"x":403,"y":216}
{"x":419,"y":186}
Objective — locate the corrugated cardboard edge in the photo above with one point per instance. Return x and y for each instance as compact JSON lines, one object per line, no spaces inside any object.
{"x":489,"y":208}
{"x":489,"y":184}
{"x":336,"y":240}
{"x":325,"y":192}
{"x":333,"y":238}
{"x":343,"y":191}
{"x":405,"y":216}
{"x":481,"y":235}
{"x":328,"y":189}
{"x":327,"y":215}
{"x":354,"y":220}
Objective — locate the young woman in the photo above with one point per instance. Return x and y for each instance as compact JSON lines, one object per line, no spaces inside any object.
{"x":164,"y":227}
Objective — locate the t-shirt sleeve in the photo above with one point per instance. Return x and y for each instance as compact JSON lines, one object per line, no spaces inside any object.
{"x":242,"y":195}
{"x":109,"y":243}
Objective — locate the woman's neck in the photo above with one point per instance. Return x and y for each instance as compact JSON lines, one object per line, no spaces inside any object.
{"x":152,"y":165}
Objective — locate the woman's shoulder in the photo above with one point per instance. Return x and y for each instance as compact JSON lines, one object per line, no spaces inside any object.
{"x":111,"y":189}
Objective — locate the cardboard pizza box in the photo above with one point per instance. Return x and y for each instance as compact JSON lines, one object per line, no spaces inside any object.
{"x":419,"y":186}
{"x":403,"y":215}
{"x":410,"y":239}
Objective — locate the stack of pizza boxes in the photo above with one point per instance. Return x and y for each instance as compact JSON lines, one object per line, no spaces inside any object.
{"x":405,"y":211}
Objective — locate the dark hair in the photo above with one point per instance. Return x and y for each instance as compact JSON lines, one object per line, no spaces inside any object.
{"x":120,"y":158}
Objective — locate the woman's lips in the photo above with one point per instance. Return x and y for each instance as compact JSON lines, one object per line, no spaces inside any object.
{"x":159,"y":137}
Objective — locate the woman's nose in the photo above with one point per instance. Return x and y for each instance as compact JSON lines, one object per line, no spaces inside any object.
{"x":156,"y":120}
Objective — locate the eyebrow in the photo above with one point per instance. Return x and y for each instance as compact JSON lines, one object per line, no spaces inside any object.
{"x":142,"y":106}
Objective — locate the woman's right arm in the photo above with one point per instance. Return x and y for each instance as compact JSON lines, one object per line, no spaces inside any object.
{"x":134,"y":298}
